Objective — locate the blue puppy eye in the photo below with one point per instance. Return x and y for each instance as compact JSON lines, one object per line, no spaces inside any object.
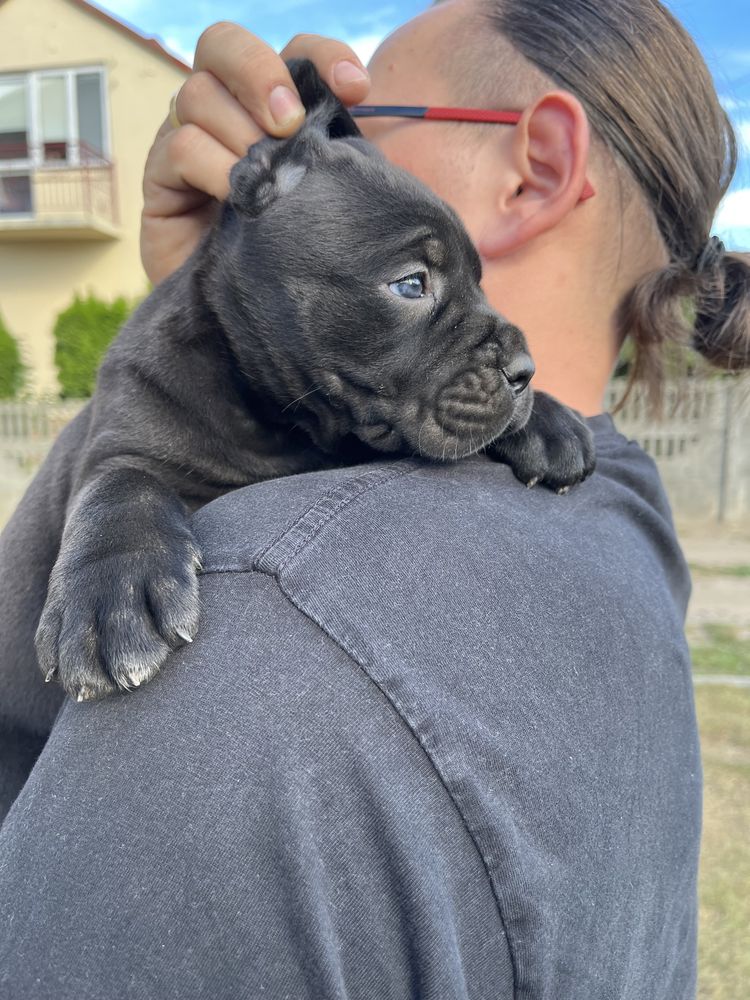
{"x":413,"y":286}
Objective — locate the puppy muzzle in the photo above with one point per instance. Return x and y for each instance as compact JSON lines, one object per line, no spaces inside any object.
{"x":477,"y":405}
{"x":487,"y":396}
{"x":482,"y":397}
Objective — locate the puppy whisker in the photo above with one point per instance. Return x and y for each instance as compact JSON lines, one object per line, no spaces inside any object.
{"x":314,"y":389}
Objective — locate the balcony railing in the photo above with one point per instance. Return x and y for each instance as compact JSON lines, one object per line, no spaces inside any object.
{"x":57,"y":190}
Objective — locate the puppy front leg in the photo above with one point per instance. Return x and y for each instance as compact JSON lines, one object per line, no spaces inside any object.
{"x":554,"y":447}
{"x":124,"y":589}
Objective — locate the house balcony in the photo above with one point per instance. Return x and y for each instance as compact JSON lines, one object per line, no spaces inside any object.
{"x":70,"y":198}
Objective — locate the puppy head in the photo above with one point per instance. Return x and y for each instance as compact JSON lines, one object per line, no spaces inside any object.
{"x":360,"y":288}
{"x":274,"y":168}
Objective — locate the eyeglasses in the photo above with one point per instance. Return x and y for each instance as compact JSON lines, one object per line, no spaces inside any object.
{"x":483,"y":115}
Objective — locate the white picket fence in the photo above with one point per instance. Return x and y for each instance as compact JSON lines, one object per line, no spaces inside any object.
{"x":28,"y":428}
{"x":701,"y":444}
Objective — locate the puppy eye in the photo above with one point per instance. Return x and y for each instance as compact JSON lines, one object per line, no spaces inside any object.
{"x":413,"y":286}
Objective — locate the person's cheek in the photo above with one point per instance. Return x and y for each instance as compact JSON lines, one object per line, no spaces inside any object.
{"x":417,"y":158}
{"x":427,"y":161}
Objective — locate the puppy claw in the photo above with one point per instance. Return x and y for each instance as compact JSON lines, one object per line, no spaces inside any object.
{"x":183,"y":635}
{"x":532,"y":483}
{"x":50,"y":674}
{"x":563,"y":490}
{"x":85,"y":694}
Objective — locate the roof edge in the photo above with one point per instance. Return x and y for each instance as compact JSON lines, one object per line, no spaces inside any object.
{"x":147,"y":41}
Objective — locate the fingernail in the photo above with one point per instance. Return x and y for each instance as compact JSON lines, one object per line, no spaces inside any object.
{"x":285,"y":106}
{"x":348,"y":72}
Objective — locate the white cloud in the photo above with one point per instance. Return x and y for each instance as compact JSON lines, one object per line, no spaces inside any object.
{"x":732,"y":222}
{"x":733,"y":61}
{"x":365,"y":45}
{"x":736,"y":239}
{"x":126,"y":9}
{"x":173,"y":44}
{"x":742,"y":177}
{"x":735,"y":103}
{"x":180,"y":22}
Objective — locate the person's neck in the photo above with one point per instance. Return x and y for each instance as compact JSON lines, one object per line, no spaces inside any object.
{"x":571,"y":336}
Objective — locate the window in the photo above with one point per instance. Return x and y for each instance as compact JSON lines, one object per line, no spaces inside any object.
{"x":14,"y":133}
{"x":48,"y":118}
{"x":54,"y":125}
{"x":89,"y":103}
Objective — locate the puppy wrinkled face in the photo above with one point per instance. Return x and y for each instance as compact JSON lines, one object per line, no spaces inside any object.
{"x":380,"y":326}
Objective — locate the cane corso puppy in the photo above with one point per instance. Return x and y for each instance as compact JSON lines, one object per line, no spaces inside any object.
{"x":332,"y":314}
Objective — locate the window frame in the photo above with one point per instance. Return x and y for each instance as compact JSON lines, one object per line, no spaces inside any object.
{"x":36,"y":161}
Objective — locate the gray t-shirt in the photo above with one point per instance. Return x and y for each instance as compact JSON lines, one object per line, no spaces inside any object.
{"x":435,"y":739}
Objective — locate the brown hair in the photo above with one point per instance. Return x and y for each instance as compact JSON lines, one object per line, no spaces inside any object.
{"x":650,"y":98}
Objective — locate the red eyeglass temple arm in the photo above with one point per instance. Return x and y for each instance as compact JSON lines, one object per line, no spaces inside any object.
{"x":453,"y":115}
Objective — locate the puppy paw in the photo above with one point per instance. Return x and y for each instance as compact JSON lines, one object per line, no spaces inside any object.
{"x":555,"y":448}
{"x":111,"y":619}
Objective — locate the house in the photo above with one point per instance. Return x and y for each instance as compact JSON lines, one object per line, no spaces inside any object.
{"x":81,"y":97}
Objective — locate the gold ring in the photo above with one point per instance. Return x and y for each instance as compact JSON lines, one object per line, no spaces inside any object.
{"x":174,"y":121}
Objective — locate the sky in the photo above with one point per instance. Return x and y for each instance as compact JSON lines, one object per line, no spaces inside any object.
{"x":720,"y":27}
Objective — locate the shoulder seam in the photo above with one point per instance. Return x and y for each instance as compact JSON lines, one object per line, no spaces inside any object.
{"x":292,"y":540}
{"x":395,"y":702}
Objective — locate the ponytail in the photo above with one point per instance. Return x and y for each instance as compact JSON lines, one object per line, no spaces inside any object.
{"x":705,"y":306}
{"x":651,"y":100}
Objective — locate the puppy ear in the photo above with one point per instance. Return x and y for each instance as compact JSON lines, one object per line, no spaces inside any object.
{"x":271,"y":169}
{"x":274,"y":167}
{"x":324,"y":110}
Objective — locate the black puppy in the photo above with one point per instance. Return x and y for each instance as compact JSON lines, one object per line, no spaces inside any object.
{"x":333,"y":313}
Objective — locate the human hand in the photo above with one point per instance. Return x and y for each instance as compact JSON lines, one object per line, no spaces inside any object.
{"x":231,"y":100}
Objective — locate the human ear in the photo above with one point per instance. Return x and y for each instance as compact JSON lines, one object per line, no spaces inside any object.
{"x":549,"y":154}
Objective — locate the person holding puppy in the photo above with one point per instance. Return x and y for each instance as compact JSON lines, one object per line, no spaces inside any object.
{"x":436,"y":734}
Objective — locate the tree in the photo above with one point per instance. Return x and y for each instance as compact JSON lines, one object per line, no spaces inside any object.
{"x":82,"y":333}
{"x":12,"y":368}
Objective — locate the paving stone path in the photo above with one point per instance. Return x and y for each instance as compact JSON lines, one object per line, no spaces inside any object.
{"x":718,"y":598}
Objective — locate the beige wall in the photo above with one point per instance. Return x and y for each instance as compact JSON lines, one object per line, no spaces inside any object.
{"x":38,"y":278}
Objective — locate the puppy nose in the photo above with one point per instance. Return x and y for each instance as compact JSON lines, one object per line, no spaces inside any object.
{"x":518,"y":373}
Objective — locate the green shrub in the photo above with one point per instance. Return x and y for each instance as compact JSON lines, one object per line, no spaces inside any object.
{"x":12,"y":369}
{"x":82,"y":333}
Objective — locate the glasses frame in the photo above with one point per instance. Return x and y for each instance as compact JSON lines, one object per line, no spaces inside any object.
{"x":485,"y":116}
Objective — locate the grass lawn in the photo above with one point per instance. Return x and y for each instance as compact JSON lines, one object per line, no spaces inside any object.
{"x":740,"y":572}
{"x":723,"y":947}
{"x":721,"y":649}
